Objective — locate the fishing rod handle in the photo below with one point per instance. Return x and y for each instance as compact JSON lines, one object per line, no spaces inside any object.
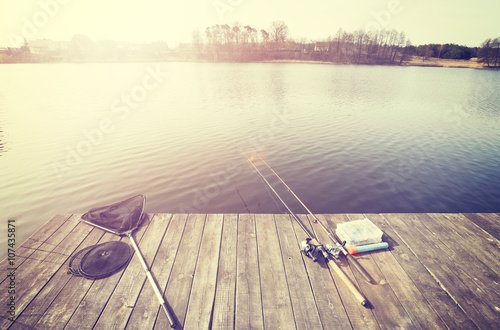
{"x":359,"y":297}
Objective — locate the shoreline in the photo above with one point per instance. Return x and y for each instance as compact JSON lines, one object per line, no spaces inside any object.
{"x":433,"y":62}
{"x":417,"y":62}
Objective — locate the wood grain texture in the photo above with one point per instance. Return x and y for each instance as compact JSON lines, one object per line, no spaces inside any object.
{"x":246,"y":271}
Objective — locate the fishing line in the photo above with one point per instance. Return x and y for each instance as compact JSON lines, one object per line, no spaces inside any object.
{"x":272,"y":197}
{"x":241,"y":197}
{"x":312,"y":247}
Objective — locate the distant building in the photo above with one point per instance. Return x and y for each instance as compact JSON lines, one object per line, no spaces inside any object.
{"x":42,"y":46}
{"x":62,"y":45}
{"x":322,"y":47}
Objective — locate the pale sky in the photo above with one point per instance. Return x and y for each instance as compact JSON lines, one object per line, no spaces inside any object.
{"x":464,"y":22}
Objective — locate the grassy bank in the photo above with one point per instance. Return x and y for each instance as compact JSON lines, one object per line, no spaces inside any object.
{"x":414,"y":61}
{"x":445,"y":63}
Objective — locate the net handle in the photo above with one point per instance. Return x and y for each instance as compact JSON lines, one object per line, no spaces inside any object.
{"x":152,"y":281}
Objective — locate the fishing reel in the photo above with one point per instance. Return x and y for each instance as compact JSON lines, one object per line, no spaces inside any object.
{"x":312,"y":250}
{"x":334,"y":250}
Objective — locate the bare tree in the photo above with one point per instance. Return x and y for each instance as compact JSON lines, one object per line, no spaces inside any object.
{"x":236,"y":33}
{"x":405,"y":52}
{"x":227,"y":34}
{"x":265,"y":35}
{"x":338,"y":39}
{"x":198,"y":41}
{"x":278,"y":31}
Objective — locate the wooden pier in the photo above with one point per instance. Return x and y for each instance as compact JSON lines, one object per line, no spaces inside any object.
{"x":225,"y":271}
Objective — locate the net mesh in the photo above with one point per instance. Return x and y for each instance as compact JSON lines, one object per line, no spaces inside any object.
{"x":120,"y":218}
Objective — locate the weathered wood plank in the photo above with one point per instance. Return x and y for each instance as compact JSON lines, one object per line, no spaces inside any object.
{"x":327,"y":296}
{"x":479,"y":270}
{"x":467,"y":267}
{"x":224,"y":306}
{"x":70,"y":297}
{"x":91,"y":306}
{"x":28,"y":247}
{"x":477,"y":239}
{"x":243,"y":271}
{"x":35,"y":272}
{"x":304,"y":306}
{"x":201,"y":300}
{"x":45,"y":309}
{"x":489,"y":222}
{"x":385,"y":305}
{"x":146,"y":309}
{"x":180,"y":281}
{"x":435,"y":256}
{"x":359,"y":316}
{"x":276,"y":302}
{"x":122,"y":301}
{"x":439,"y":300}
{"x":416,"y":305}
{"x":248,"y":300}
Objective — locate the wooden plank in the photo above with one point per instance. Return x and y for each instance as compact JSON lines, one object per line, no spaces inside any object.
{"x":34,"y":273}
{"x":330,"y":306}
{"x":442,"y":269}
{"x":421,"y":313}
{"x":480,"y":266}
{"x":224,"y":306}
{"x":122,"y":301}
{"x":466,"y":266}
{"x":276,"y":302}
{"x":440,"y":301}
{"x":41,"y":309}
{"x":28,"y":247}
{"x":248,"y":300}
{"x":181,"y":278}
{"x":489,"y":222}
{"x":481,"y":278}
{"x":360,"y":317}
{"x":201,"y":300}
{"x":304,"y":306}
{"x":70,"y":294}
{"x":486,"y":247}
{"x":146,"y":309}
{"x":435,"y":257}
{"x":384,"y":303}
{"x":96,"y":298}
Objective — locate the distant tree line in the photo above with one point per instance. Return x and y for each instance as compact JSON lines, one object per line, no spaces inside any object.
{"x":372,"y":47}
{"x":242,"y":43}
{"x":446,"y":51}
{"x":489,"y":52}
{"x":246,"y":43}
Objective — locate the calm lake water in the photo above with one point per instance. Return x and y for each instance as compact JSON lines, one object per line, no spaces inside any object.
{"x":345,"y":138}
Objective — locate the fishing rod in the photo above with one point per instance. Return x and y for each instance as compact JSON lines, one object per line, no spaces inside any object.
{"x":312,"y":247}
{"x":333,"y":238}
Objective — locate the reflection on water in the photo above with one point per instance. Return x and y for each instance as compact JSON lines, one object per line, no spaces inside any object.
{"x":2,"y":143}
{"x":344,"y":138}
